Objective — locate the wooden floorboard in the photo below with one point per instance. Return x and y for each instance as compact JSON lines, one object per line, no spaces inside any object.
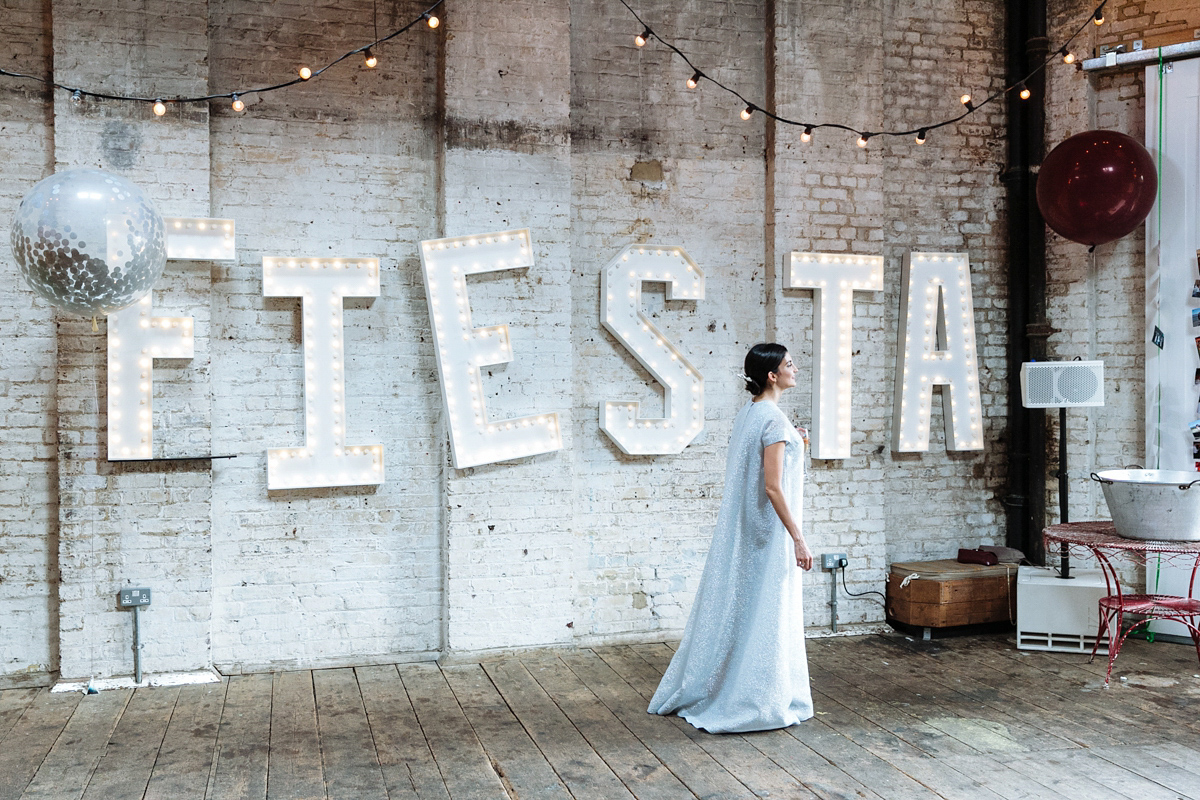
{"x":294,"y":767}
{"x":884,"y":744}
{"x":585,"y":774}
{"x":464,"y":765}
{"x":1028,"y":701}
{"x":1021,"y":673}
{"x":183,"y":768}
{"x":409,"y":769}
{"x":12,"y":706}
{"x":1141,"y":711}
{"x":954,"y":710}
{"x":517,"y":759}
{"x":128,"y":761}
{"x":688,"y":761}
{"x":243,"y":740}
{"x":31,"y":738}
{"x":640,"y":770}
{"x":1133,"y":772}
{"x":347,"y":746}
{"x":800,"y":761}
{"x":67,"y":768}
{"x":758,"y":773}
{"x":897,"y":718}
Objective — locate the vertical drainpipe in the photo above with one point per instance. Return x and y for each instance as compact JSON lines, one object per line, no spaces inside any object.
{"x":1025,"y":496}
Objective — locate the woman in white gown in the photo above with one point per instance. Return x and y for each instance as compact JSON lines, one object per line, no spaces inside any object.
{"x":742,"y":665}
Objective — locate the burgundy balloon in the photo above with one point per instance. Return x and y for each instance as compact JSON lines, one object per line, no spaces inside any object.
{"x":1096,"y":187}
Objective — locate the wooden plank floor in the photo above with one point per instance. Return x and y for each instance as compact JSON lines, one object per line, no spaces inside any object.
{"x":896,"y":718}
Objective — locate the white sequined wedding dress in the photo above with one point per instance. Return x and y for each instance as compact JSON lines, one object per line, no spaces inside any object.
{"x":742,"y":665}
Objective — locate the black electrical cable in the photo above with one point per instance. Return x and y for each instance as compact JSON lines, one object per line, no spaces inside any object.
{"x":79,"y":92}
{"x":846,"y":589}
{"x":699,"y":74}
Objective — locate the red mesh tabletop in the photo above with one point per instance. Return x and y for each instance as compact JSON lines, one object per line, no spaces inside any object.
{"x":1101,"y":539}
{"x":1101,"y":533}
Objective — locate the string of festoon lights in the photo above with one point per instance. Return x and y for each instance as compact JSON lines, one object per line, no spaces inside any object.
{"x":920,"y":133}
{"x":304,"y":73}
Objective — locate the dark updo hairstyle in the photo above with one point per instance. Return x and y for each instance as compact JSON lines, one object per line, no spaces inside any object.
{"x":763,"y":358}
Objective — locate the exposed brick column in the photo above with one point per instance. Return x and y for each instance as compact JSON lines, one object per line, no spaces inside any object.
{"x":147,"y":523}
{"x":28,"y":469}
{"x":828,"y":197}
{"x":507,"y":164}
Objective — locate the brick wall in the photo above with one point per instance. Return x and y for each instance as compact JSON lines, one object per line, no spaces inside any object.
{"x":1096,"y":300}
{"x":344,"y":166}
{"x":28,"y":408}
{"x":131,"y":523}
{"x":1155,"y":22}
{"x":892,"y":197}
{"x":645,"y":522}
{"x":510,"y":543}
{"x":593,"y":144}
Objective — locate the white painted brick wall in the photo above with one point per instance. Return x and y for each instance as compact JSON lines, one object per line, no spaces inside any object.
{"x":342,"y":166}
{"x":509,"y":538}
{"x":647,"y":521}
{"x":28,"y":495}
{"x":1096,"y":301}
{"x":135,"y":524}
{"x":543,"y":130}
{"x":893,"y":197}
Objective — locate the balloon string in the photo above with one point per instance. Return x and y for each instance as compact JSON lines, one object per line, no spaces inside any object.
{"x":1158,"y":257}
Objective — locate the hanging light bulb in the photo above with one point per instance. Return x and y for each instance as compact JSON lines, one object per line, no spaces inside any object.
{"x":862,"y":139}
{"x":369,"y":59}
{"x":76,"y":96}
{"x":1024,"y":93}
{"x":747,"y":111}
{"x":431,"y":20}
{"x":159,"y":108}
{"x":643,"y":37}
{"x":1098,"y":17}
{"x":237,"y":104}
{"x":1067,"y":56}
{"x":921,"y":136}
{"x":305,"y":73}
{"x":966,"y":101}
{"x":807,"y":135}
{"x":694,"y":81}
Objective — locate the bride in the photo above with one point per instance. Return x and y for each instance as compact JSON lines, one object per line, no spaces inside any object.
{"x":741,"y":665}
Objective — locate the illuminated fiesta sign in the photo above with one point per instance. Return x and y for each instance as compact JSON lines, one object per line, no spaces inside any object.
{"x":936,"y":348}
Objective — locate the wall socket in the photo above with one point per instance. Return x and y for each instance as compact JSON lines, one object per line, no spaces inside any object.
{"x":133,"y":597}
{"x":834,"y":561}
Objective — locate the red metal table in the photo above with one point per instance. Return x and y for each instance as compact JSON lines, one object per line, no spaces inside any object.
{"x":1101,"y":539}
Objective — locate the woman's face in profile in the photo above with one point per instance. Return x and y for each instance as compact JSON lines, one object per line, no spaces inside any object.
{"x":785,"y":373}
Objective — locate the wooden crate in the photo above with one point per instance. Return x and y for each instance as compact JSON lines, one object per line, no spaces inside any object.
{"x":943,"y":594}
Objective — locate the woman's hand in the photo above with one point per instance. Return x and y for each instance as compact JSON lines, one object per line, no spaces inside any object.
{"x":804,"y":556}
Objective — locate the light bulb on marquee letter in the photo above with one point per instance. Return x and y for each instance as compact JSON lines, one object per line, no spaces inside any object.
{"x":325,"y":459}
{"x":683,"y":385}
{"x":462,"y":349}
{"x":936,"y":347}
{"x":135,"y":339}
{"x":834,"y":278}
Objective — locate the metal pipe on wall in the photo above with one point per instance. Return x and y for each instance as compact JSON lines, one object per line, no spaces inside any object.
{"x":1025,"y":497}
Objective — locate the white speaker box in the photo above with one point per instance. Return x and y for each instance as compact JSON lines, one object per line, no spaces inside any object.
{"x":1056,"y":614}
{"x":1062,"y":384}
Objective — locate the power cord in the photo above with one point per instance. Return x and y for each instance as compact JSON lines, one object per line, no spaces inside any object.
{"x":846,"y":588}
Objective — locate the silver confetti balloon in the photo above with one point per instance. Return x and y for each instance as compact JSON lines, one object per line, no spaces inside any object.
{"x":88,"y":241}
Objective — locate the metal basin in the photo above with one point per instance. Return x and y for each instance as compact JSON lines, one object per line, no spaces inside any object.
{"x":1156,"y":504}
